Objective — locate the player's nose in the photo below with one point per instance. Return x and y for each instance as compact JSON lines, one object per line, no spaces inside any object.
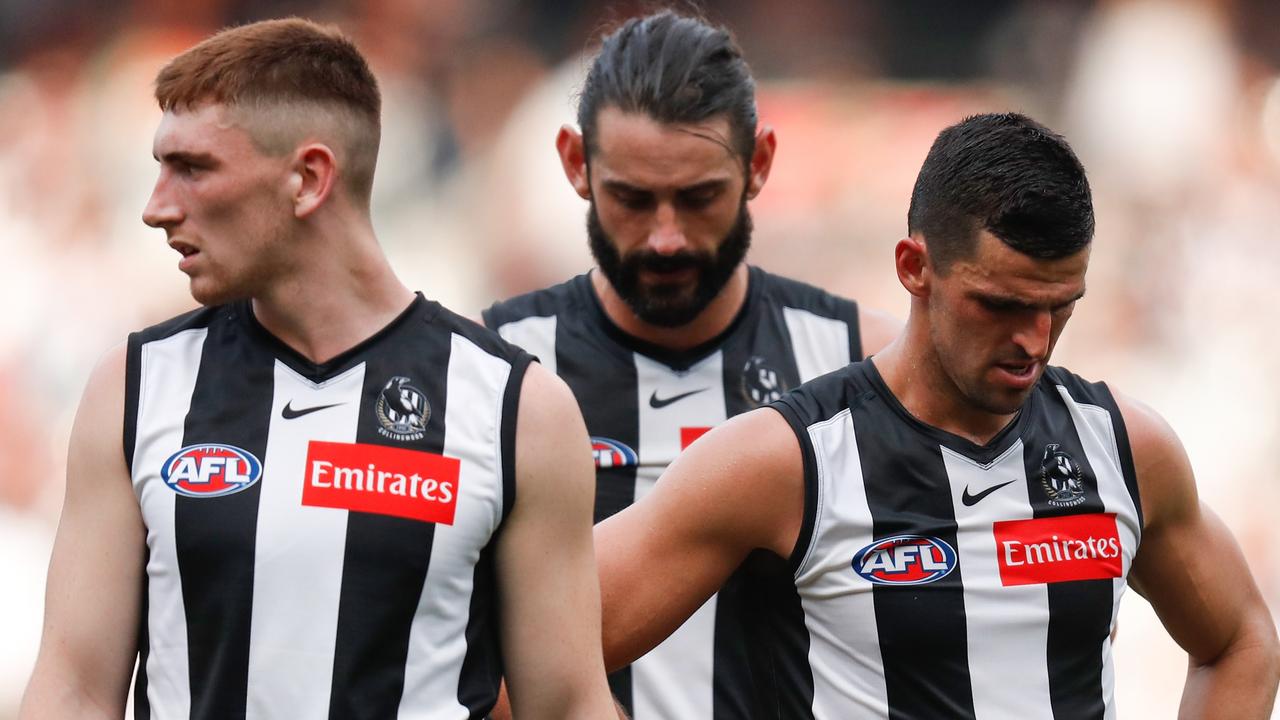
{"x":666,"y":237}
{"x":161,"y":211}
{"x":1034,"y":335}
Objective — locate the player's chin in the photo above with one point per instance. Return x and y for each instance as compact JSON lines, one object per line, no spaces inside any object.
{"x":209,"y":291}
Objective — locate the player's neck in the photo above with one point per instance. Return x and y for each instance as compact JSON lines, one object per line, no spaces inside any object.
{"x":710,"y":323}
{"x":924,"y":389}
{"x":342,"y":292}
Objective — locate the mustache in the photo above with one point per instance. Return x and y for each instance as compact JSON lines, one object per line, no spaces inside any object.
{"x":653,"y":262}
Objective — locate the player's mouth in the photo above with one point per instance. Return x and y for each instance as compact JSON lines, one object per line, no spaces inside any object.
{"x":1018,"y":375}
{"x":188,"y":252}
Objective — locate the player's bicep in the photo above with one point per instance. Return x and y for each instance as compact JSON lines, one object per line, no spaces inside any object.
{"x":95,"y":575}
{"x":546,"y":566}
{"x":1188,"y":565}
{"x":736,"y":489}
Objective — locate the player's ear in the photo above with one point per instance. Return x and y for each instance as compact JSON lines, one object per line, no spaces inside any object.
{"x":573,"y":158}
{"x":761,"y":161}
{"x":911,"y":260}
{"x":314,"y":175}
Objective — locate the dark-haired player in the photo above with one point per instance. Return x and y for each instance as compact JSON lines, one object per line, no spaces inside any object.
{"x":321,"y":495}
{"x":958,"y":518}
{"x":673,"y":332}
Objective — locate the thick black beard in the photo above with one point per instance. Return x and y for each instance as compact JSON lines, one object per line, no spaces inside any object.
{"x":669,"y":306}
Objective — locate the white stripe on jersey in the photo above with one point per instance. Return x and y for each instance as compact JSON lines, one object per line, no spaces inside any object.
{"x":839,"y":608}
{"x":437,"y":638}
{"x":1007,"y":627}
{"x":168,"y":370}
{"x":1098,"y":437}
{"x":660,"y":686}
{"x":820,"y":344}
{"x":297,"y":585}
{"x":537,"y":335}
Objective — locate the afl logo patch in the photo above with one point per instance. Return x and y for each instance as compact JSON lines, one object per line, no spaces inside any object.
{"x":611,"y":453}
{"x":905,"y":560}
{"x":402,"y":410}
{"x":210,"y":470}
{"x":1061,"y":478}
{"x":761,"y":384}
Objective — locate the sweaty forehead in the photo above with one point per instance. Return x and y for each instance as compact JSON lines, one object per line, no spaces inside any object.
{"x":636,"y":149}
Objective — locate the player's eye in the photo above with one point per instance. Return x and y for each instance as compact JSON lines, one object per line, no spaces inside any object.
{"x":699,"y":198}
{"x":634,"y":200}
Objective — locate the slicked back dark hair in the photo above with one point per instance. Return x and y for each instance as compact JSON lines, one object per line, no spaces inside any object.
{"x":1007,"y":174}
{"x":674,"y":69}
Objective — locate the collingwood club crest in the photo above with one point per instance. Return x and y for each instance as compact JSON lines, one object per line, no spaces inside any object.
{"x":761,"y":384}
{"x":402,"y":410}
{"x":1061,"y":478}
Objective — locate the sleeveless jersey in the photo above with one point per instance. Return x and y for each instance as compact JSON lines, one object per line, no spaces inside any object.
{"x":644,"y":404}
{"x":935,"y":578}
{"x":320,"y":537}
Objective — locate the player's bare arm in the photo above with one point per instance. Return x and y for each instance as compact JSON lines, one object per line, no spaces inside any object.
{"x":1191,"y":569}
{"x":738,"y":488}
{"x":546,"y":566}
{"x":95,"y":576}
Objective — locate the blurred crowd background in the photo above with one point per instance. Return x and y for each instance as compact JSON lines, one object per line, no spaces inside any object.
{"x":1174,"y":107}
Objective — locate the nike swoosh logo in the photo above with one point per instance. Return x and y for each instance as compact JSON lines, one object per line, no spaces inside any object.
{"x":656,"y":402}
{"x":971,"y":500}
{"x":288,"y":413}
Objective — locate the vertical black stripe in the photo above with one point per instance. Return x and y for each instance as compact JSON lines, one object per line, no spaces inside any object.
{"x":771,"y":614}
{"x":1106,"y":400}
{"x":386,"y":558}
{"x":141,"y":705}
{"x":856,"y":351}
{"x":922,"y":628}
{"x":132,"y":384}
{"x":760,"y":666}
{"x":1079,"y":611}
{"x":605,"y":385}
{"x":216,"y":537}
{"x":482,"y":665}
{"x":507,"y":432}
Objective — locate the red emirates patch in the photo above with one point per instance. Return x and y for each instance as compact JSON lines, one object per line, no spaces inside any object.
{"x":1059,"y":549}
{"x":689,"y":434}
{"x":383,"y":480}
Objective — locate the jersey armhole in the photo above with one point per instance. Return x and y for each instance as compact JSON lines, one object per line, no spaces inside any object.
{"x":805,"y":537}
{"x":507,"y":429}
{"x":132,"y":386}
{"x":1125,"y":452}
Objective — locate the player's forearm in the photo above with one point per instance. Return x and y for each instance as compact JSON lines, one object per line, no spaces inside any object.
{"x":48,"y":697}
{"x":1240,"y":684}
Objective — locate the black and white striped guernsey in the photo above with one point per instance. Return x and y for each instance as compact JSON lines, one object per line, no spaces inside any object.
{"x":320,"y":538}
{"x":938,"y":578}
{"x":643,"y":404}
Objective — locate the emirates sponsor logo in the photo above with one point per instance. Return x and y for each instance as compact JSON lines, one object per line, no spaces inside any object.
{"x":689,"y":434}
{"x":1059,"y":549}
{"x":383,"y":480}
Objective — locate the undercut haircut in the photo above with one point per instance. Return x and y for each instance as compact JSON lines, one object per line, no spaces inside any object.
{"x":279,"y":67}
{"x":674,"y":69}
{"x":1009,"y":175}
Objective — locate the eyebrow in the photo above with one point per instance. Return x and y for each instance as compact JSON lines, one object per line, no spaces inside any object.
{"x":619,"y":186}
{"x":1012,"y":302}
{"x":189,"y":158}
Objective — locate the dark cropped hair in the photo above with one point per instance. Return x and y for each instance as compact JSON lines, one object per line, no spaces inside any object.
{"x":1007,"y":174}
{"x":674,"y":69}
